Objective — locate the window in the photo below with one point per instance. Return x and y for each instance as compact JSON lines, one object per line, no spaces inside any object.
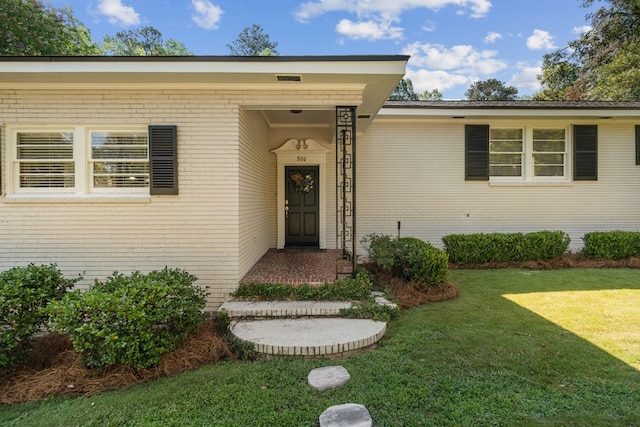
{"x":92,"y":160}
{"x":527,"y":153}
{"x":549,"y":156}
{"x":506,"y":147}
{"x":45,"y":160}
{"x":531,"y":154}
{"x":119,"y":159}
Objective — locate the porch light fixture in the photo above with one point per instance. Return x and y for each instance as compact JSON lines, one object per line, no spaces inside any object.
{"x":288,"y":78}
{"x":364,"y":116}
{"x":295,"y":111}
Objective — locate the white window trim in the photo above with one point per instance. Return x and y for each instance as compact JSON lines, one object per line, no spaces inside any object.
{"x":527,"y":177}
{"x":83,"y":188}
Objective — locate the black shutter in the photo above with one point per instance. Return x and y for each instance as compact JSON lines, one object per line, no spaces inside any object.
{"x":585,"y":152}
{"x":476,"y":152}
{"x":163,"y":160}
{"x":637,"y":145}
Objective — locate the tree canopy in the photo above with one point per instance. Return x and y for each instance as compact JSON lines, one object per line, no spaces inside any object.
{"x":145,"y":41}
{"x":404,"y":91}
{"x":602,"y":64}
{"x":431,"y":95}
{"x":491,"y":90}
{"x":252,"y":41}
{"x":29,"y":28}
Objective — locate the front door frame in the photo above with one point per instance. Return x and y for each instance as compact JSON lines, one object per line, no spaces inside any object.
{"x":302,"y":152}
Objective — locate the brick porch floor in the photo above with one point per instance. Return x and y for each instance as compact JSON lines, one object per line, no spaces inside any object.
{"x":295,"y":266}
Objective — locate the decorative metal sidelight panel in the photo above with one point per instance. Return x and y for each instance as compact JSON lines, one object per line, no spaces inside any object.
{"x":346,"y":190}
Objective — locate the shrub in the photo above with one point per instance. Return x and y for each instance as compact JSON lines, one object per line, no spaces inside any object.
{"x":498,"y":247}
{"x":432,"y":267}
{"x":408,"y":258}
{"x":611,"y":244}
{"x":349,"y":288}
{"x":24,"y":295}
{"x":381,"y":249}
{"x":131,"y":320}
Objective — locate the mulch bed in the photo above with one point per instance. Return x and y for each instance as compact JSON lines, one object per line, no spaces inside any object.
{"x":55,"y":369}
{"x":411,"y":293}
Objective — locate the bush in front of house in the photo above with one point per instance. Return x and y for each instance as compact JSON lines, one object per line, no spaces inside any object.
{"x":25,"y":293}
{"x":611,"y":244}
{"x":409,"y":258}
{"x":131,"y":320}
{"x":481,"y":248}
{"x":349,"y":288}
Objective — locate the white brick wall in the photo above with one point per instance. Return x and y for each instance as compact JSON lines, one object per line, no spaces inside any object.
{"x":413,"y":172}
{"x":218,"y":225}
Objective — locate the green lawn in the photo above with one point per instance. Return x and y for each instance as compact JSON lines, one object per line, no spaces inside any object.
{"x":517,"y":347}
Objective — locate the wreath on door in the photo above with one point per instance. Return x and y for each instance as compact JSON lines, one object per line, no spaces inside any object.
{"x":302,"y":183}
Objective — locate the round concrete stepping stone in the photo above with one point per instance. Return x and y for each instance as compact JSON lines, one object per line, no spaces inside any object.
{"x":309,"y":336}
{"x":328,"y":377}
{"x":347,"y":415}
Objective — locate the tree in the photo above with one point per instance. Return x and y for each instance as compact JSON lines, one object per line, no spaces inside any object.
{"x":252,"y":41}
{"x":558,"y":77}
{"x":602,"y":63}
{"x":32,"y":29}
{"x":404,"y":91}
{"x":491,"y":90}
{"x":431,"y":95}
{"x":145,"y":41}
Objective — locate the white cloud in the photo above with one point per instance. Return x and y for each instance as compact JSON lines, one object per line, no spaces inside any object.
{"x":583,"y":29}
{"x":434,"y":66}
{"x":369,"y":30}
{"x":462,"y":58}
{"x":423,"y":80}
{"x":207,"y":15}
{"x":539,"y":40}
{"x":526,"y":77}
{"x":429,"y":26}
{"x":381,"y":13}
{"x":492,"y":37}
{"x":117,"y":13}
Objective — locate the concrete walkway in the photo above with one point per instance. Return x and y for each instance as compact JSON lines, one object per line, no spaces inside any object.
{"x":301,"y":328}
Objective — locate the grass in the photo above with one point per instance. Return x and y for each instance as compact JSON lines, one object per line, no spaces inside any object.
{"x":517,"y":347}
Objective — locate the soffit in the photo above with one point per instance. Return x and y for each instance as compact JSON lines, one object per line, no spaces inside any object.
{"x":373,"y":76}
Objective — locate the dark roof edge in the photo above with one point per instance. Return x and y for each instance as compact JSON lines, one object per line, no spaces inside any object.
{"x":208,"y":58}
{"x":444,"y":105}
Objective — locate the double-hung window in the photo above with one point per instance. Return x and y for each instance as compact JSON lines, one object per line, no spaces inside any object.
{"x":506,"y":151}
{"x":528,"y":154}
{"x":119,"y":160}
{"x":79,"y":160}
{"x":549,"y":152}
{"x":45,"y":160}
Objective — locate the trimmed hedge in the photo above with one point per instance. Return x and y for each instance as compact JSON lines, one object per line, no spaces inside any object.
{"x":611,"y":244}
{"x":409,"y":258}
{"x":24,"y":295}
{"x":130,"y":320}
{"x":348,"y":288}
{"x":481,"y":248}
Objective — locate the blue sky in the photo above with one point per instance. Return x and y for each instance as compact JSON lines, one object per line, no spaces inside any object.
{"x":452,"y":43}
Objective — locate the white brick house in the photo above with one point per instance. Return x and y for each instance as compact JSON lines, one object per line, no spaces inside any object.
{"x":136,"y":163}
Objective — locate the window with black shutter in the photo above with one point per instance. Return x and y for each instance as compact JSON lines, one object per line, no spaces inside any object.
{"x":163,"y":160}
{"x":477,"y":152}
{"x":585,"y":152}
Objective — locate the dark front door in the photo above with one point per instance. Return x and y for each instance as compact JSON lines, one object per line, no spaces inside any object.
{"x":301,"y":206}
